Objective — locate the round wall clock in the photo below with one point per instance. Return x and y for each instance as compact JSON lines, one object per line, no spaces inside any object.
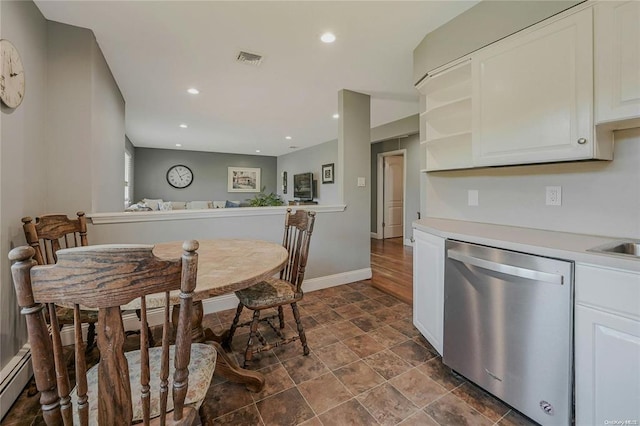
{"x":179,"y":176}
{"x":11,"y":75}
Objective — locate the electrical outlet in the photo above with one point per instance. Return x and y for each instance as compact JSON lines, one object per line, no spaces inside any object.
{"x":554,"y":196}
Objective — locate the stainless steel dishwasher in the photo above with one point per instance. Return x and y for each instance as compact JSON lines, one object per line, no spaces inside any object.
{"x":508,"y":322}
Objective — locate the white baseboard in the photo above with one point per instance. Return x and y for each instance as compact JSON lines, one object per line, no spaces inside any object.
{"x":15,"y":376}
{"x":18,"y":371}
{"x":376,"y":236}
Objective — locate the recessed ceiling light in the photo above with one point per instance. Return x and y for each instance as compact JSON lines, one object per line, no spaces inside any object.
{"x":193,"y":91}
{"x":178,"y":145}
{"x":184,"y":126}
{"x":257,"y":150}
{"x":336,"y":115}
{"x":288,"y":138}
{"x":328,"y":38}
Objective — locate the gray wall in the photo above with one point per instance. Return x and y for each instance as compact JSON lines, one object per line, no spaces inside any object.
{"x":85,"y":124}
{"x":62,"y":150}
{"x":131,"y":150}
{"x":23,"y":157}
{"x":209,"y":174}
{"x":354,"y":161}
{"x":598,"y":197}
{"x":311,"y":160}
{"x":479,"y":26}
{"x":412,"y":190}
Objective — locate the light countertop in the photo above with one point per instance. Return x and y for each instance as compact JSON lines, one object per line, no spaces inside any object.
{"x":560,"y":245}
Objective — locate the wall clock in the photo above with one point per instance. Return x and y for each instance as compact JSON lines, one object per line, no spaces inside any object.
{"x":179,"y":176}
{"x":11,"y":75}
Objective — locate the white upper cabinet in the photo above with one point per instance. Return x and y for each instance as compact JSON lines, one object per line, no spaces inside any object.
{"x":617,"y":71}
{"x":533,"y":95}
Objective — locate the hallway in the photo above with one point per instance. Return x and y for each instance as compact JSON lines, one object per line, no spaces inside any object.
{"x":392,"y":268}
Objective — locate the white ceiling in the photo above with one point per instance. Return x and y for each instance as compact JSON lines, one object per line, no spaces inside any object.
{"x":158,"y":49}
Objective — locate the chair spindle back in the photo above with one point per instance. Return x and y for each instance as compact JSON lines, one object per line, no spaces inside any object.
{"x":105,"y":278}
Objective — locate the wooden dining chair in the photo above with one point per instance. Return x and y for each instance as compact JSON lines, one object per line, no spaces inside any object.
{"x":124,"y":387}
{"x":277,"y":292}
{"x":50,"y":233}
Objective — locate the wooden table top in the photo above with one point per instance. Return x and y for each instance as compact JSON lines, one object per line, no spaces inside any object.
{"x":224,"y":266}
{"x":227,"y":265}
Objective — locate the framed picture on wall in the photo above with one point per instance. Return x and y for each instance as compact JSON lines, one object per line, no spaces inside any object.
{"x":327,"y":173}
{"x":284,"y":182}
{"x":243,"y":179}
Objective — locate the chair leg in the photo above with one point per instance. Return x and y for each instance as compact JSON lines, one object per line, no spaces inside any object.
{"x":303,"y":338}
{"x":248,"y":354}
{"x":281,"y":317}
{"x":151,"y":341}
{"x":91,"y":338}
{"x":234,"y":326}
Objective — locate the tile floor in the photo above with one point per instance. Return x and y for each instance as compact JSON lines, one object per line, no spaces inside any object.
{"x":368,"y":365}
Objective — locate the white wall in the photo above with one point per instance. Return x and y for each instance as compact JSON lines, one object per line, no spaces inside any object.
{"x":310,"y":160}
{"x":598,"y":197}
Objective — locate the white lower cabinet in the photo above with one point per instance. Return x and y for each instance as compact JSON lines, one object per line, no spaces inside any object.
{"x":607,"y":346}
{"x":428,"y":286}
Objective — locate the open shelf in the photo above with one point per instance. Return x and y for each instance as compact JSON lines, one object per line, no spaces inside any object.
{"x":445,"y":118}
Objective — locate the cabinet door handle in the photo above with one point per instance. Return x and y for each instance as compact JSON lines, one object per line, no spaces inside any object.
{"x":582,"y":141}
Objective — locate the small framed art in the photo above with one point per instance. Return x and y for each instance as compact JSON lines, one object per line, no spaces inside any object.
{"x":327,"y":173}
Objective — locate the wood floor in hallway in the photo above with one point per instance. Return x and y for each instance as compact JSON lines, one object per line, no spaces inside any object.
{"x":392,"y":268}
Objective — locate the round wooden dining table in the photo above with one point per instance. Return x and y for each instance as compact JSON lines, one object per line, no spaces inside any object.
{"x":224,"y":266}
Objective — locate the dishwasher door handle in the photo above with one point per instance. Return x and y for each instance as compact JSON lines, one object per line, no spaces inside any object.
{"x":517,"y":271}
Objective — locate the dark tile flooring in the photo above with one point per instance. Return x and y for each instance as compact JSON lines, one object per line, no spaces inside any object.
{"x":368,"y":365}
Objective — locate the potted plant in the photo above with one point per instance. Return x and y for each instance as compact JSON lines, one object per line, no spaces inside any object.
{"x":262,"y":199}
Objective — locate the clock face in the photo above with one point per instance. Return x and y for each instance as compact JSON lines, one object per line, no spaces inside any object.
{"x":179,"y":176}
{"x":11,"y":75}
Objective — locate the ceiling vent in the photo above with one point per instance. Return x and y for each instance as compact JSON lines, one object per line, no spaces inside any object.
{"x":249,"y":58}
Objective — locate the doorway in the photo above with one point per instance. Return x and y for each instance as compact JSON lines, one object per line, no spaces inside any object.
{"x":391,"y":194}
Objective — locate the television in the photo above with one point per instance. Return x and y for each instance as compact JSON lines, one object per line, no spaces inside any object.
{"x":303,"y":186}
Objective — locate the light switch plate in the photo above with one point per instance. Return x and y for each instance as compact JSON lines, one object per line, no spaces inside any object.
{"x":361,"y":181}
{"x":472,"y":197}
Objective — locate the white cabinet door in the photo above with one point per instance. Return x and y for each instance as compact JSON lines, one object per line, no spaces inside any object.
{"x":607,"y":345}
{"x":617,"y":72}
{"x":533,"y":95}
{"x":428,"y":286}
{"x":607,"y":359}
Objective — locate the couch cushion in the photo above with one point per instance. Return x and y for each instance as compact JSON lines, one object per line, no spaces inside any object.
{"x":152,"y":203}
{"x":194,"y":205}
{"x":178,"y":205}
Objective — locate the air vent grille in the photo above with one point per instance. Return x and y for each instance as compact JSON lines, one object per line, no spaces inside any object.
{"x":249,"y":58}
